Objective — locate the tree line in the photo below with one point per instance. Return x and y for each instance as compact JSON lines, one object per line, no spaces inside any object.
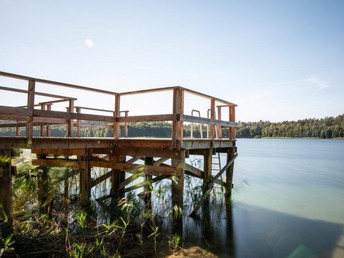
{"x":328,"y":127}
{"x":325,"y":128}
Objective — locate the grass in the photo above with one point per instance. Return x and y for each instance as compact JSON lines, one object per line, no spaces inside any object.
{"x":105,"y":230}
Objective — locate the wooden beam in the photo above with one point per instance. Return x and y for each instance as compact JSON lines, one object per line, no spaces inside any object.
{"x":161,"y":160}
{"x":191,"y":170}
{"x":59,"y":152}
{"x":130,"y":179}
{"x":134,"y":187}
{"x":210,"y":185}
{"x":135,"y":168}
{"x":36,"y":93}
{"x":133,"y":159}
{"x":75,"y":164}
{"x":148,"y":91}
{"x":27,"y":78}
{"x":72,"y":143}
{"x":67,"y":115}
{"x":100,"y":179}
{"x":207,"y":96}
{"x":148,"y":118}
{"x":159,"y":178}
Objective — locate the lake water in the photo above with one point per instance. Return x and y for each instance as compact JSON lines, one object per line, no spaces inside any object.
{"x":288,"y":201}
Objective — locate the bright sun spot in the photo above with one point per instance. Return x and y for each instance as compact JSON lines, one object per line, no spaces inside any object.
{"x":89,"y":43}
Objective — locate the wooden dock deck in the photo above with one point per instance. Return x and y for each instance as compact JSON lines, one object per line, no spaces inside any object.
{"x":42,"y":107}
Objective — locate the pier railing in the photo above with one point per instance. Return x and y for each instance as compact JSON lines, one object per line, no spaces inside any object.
{"x":42,"y":108}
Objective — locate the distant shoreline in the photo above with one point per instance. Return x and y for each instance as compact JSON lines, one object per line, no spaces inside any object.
{"x":292,"y":138}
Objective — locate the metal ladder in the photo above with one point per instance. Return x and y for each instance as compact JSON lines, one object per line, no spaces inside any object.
{"x":192,"y":124}
{"x":216,"y":161}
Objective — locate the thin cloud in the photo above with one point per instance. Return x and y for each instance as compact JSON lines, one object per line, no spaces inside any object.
{"x":320,"y":84}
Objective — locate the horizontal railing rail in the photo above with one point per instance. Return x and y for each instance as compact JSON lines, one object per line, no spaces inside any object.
{"x":41,"y":113}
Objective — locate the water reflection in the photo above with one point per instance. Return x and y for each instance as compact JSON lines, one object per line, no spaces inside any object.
{"x":212,"y":230}
{"x":262,"y":232}
{"x":243,"y":230}
{"x":288,"y":202}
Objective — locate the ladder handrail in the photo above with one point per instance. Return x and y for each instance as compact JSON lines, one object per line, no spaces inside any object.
{"x":200,"y":126}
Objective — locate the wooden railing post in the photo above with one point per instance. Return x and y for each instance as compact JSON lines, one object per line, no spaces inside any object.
{"x":218,"y":127}
{"x":43,"y":106}
{"x":212,"y":117}
{"x":70,"y":121}
{"x":178,"y":109}
{"x":30,"y":107}
{"x":116,"y":124}
{"x":48,"y":127}
{"x":232,"y":119}
{"x":78,"y":110}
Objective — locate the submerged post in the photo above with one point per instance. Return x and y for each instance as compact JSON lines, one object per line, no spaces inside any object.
{"x":147,"y":187}
{"x":207,"y":168}
{"x":117,"y":177}
{"x":43,"y":189}
{"x":5,"y":192}
{"x":85,"y":182}
{"x":178,"y":185}
{"x":229,"y":173}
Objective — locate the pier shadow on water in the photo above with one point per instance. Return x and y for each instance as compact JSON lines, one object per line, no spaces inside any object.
{"x":242,"y":230}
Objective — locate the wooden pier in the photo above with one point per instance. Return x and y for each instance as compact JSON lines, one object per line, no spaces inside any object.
{"x":151,"y":158}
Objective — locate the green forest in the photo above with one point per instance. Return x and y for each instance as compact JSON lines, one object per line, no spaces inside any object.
{"x":328,"y":127}
{"x":325,"y":128}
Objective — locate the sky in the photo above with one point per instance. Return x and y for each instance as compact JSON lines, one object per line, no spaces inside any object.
{"x":277,"y":60}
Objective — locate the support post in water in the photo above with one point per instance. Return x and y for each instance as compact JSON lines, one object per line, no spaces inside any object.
{"x":210,"y":186}
{"x":117,"y":177}
{"x":43,"y":189}
{"x":147,"y":187}
{"x":207,"y":168}
{"x":5,"y":193}
{"x":85,"y":182}
{"x":229,"y":173}
{"x":178,"y":186}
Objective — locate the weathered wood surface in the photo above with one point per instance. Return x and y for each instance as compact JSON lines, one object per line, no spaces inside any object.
{"x":210,"y":185}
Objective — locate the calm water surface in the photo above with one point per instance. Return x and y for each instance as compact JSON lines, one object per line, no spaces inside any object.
{"x":288,"y":201}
